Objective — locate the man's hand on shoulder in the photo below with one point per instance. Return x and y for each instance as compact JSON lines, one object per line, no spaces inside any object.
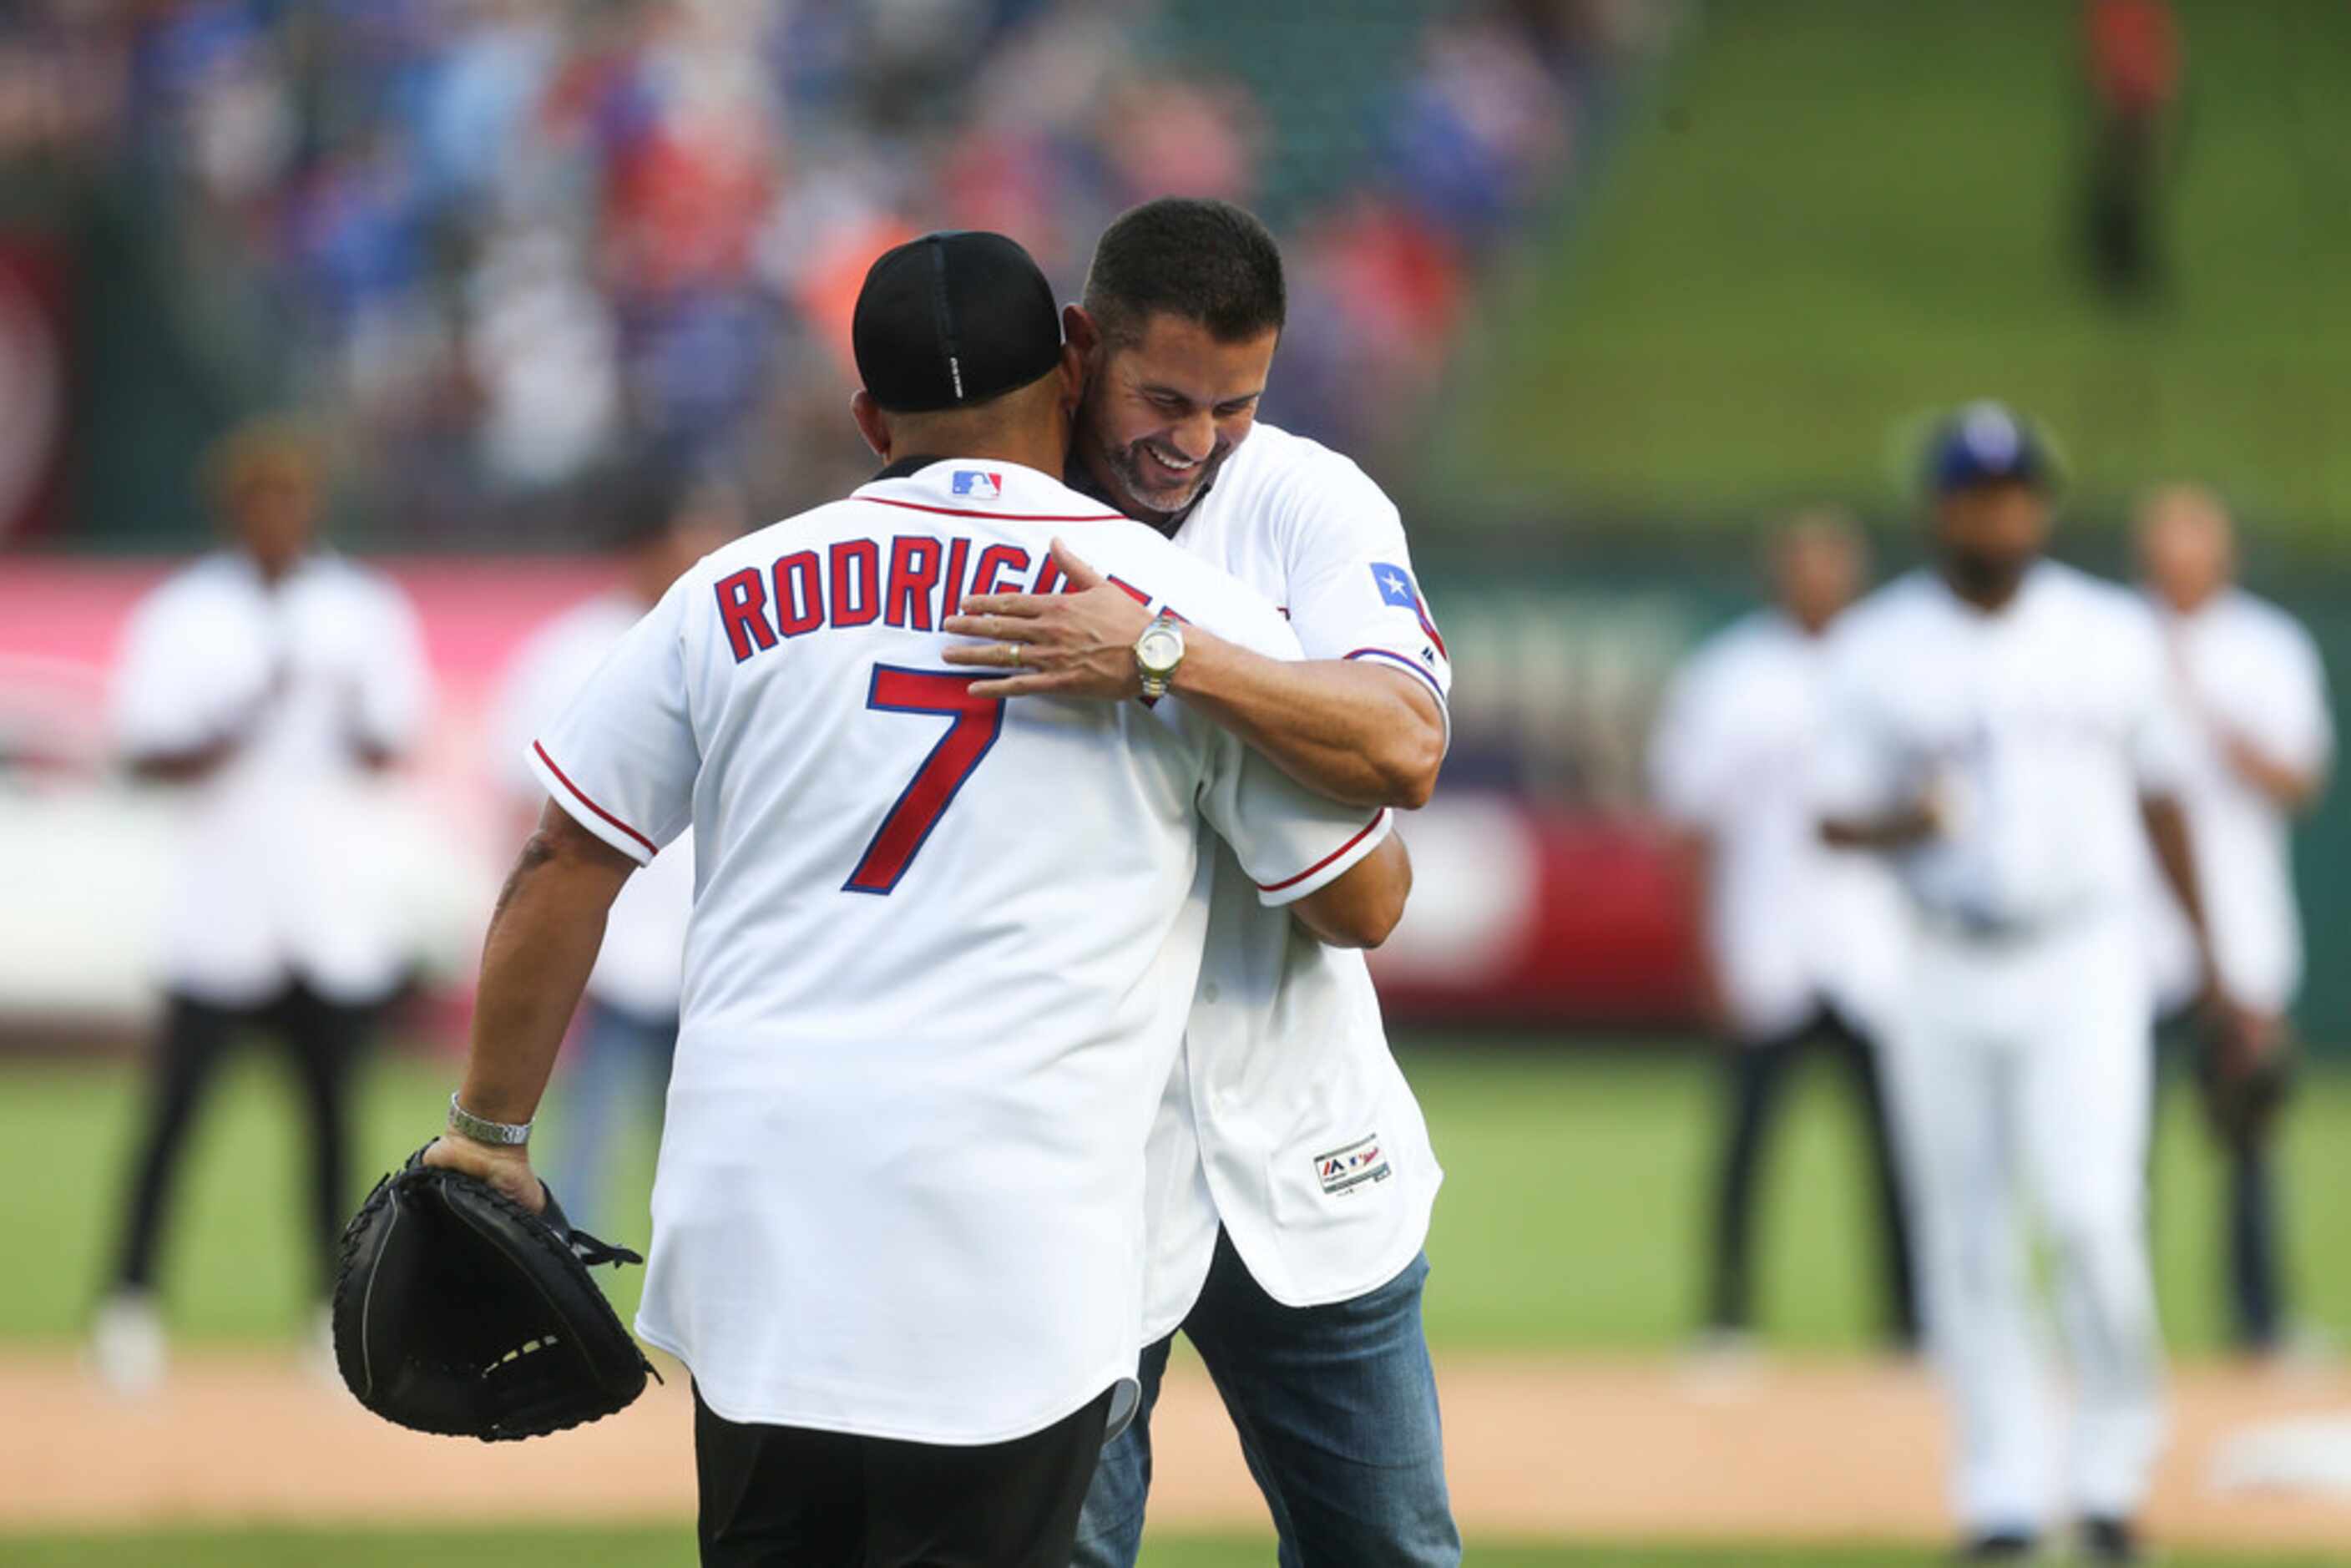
{"x":1076,"y":643}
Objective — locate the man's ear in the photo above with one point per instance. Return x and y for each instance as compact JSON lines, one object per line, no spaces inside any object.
{"x":871,"y":422}
{"x":1081,"y":331}
{"x":1073,"y":378}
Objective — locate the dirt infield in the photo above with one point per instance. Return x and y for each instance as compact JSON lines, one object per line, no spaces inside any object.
{"x":1537,"y":1447}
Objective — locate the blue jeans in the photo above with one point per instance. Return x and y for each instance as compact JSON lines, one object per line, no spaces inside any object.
{"x":1336,"y":1408}
{"x":618,"y":1062}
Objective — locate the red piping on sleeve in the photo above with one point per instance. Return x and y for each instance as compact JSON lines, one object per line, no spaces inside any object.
{"x":1396,"y":658}
{"x":1377,"y":818}
{"x":581,"y":796}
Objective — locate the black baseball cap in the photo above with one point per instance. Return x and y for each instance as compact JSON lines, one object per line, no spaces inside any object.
{"x":952,"y":319}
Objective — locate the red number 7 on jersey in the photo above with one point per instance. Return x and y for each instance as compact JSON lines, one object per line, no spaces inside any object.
{"x":919,"y":807}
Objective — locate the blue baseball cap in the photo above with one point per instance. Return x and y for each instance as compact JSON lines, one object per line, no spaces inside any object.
{"x":1987,"y":443}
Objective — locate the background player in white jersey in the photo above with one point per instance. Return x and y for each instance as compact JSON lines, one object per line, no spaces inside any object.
{"x":1290,"y":1171}
{"x":620,"y":1051}
{"x":2260,"y":747}
{"x":268,"y":683}
{"x":937,"y":968}
{"x":1802,"y":941}
{"x":2002,"y":727}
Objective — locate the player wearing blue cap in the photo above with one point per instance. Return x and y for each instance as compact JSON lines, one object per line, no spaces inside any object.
{"x":2002,"y":727}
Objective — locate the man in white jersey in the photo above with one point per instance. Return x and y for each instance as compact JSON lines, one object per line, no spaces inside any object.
{"x":620,"y":1053}
{"x":1802,"y":942}
{"x":2002,"y":727}
{"x":937,"y":973}
{"x":1290,"y":1172}
{"x":268,"y":685}
{"x":2261,"y":746}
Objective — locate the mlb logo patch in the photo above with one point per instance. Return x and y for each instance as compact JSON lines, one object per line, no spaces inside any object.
{"x":976,"y":486}
{"x":1342,"y":1171}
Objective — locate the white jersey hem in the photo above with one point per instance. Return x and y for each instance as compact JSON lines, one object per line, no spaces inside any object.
{"x":1413,"y":1241}
{"x":813,"y":1420}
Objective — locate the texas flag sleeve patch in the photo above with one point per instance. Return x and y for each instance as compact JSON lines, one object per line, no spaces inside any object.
{"x":1397,"y":587}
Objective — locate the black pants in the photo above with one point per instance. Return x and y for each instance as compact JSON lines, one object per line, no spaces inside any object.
{"x":784,"y":1497}
{"x":2256,"y":1285}
{"x":322,"y":1038}
{"x":1757,"y":1074}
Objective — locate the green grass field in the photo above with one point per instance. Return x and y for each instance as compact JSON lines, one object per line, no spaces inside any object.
{"x":1569,"y":1219}
{"x":1569,"y":1222}
{"x":1833,"y":213}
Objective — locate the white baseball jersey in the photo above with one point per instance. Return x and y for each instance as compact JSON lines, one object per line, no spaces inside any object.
{"x":641,"y":964}
{"x":1288,"y":1119}
{"x":287,"y":871}
{"x":2043,"y":776}
{"x":2250,"y":666}
{"x":939,"y":959}
{"x":1790,"y":922}
{"x":2018,"y":1060}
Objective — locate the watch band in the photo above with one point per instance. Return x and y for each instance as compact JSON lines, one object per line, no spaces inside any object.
{"x":1156,"y":681}
{"x":482,"y":1130}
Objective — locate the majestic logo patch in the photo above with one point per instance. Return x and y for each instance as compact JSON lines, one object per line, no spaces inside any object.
{"x":978,"y":486}
{"x":1343,"y":1170}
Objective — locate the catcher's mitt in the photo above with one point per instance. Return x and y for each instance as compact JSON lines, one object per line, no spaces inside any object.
{"x":458,"y":1311}
{"x":2244,"y":1083}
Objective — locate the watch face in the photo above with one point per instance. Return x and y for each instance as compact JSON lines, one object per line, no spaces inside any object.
{"x":1160,"y":648}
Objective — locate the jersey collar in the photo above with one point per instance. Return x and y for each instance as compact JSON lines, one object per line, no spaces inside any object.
{"x":981,"y":488}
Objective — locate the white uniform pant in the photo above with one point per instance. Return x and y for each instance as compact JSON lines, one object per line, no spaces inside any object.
{"x":2020,"y":1076}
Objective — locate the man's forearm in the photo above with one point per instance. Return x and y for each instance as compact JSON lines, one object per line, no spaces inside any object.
{"x":1890,"y":831}
{"x":1348,"y":730}
{"x":542,"y":942}
{"x":2288,"y":787}
{"x":2167,"y":832}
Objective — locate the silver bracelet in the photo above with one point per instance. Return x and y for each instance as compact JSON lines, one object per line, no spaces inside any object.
{"x":482,"y":1130}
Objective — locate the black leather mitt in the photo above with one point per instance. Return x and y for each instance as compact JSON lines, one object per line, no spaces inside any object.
{"x":458,"y":1311}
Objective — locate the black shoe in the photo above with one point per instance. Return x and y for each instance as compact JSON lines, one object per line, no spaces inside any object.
{"x":2111,"y":1540}
{"x":2000,"y":1546}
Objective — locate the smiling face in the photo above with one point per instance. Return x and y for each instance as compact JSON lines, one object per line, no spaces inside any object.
{"x":1163,"y":411}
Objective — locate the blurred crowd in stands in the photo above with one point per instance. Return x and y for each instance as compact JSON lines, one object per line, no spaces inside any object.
{"x":498,"y":249}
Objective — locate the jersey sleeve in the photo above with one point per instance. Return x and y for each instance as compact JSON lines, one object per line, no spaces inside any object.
{"x":533,"y":691}
{"x":394,"y":693}
{"x":1686,"y":757}
{"x":1290,"y":840}
{"x":2295,"y":723}
{"x":182,"y":680}
{"x":2161,"y":736}
{"x":622,"y":759}
{"x":1351,"y":591}
{"x":1858,"y":769}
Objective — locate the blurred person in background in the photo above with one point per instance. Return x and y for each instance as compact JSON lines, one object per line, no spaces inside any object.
{"x":1290,"y":1169}
{"x":2002,"y":727}
{"x":620,"y":1052}
{"x":1802,"y":941}
{"x":2132,"y":65}
{"x":2249,"y":678}
{"x":269,"y":683}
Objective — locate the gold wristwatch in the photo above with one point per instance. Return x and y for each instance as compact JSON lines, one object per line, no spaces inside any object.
{"x":1157,"y":652}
